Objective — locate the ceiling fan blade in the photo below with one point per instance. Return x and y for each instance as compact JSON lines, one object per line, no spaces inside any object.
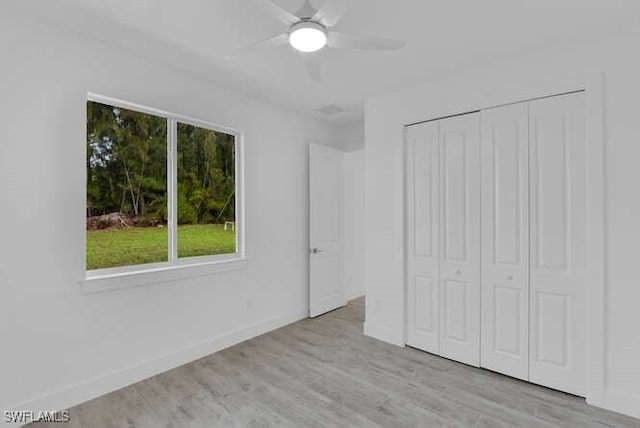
{"x":331,"y":12}
{"x":352,"y":41}
{"x":272,"y":42}
{"x":307,"y":11}
{"x":313,"y":67}
{"x":278,"y":12}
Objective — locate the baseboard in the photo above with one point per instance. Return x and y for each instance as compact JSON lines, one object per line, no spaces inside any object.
{"x":628,"y":404}
{"x":383,"y":333}
{"x":117,"y":379}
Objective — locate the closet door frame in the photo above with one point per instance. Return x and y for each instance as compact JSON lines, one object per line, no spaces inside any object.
{"x":592,"y":85}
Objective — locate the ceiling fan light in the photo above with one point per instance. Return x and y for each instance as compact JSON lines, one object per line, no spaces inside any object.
{"x":308,"y":36}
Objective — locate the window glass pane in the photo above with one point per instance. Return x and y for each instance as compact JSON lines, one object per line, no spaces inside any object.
{"x":126,"y":187}
{"x":206,"y":192}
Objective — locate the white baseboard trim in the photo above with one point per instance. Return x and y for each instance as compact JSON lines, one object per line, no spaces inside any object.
{"x":383,"y":333}
{"x":117,"y":379}
{"x":620,"y":402}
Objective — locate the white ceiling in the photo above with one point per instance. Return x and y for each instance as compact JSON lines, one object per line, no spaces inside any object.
{"x":443,"y":36}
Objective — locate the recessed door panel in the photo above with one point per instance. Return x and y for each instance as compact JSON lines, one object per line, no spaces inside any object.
{"x":558,"y":231}
{"x":551,"y":339}
{"x":505,"y":247}
{"x":460,"y":238}
{"x":456,"y":303}
{"x":508,"y":329}
{"x":422,"y":235}
{"x":455,"y":195}
{"x":551,"y":181}
{"x":508,"y":188}
{"x":424,"y":305}
{"x":423,"y":199}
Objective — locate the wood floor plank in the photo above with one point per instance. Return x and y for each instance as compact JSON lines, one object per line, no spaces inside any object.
{"x":122,"y":408}
{"x":324,"y":372}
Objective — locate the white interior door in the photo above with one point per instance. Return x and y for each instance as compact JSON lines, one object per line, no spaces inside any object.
{"x":326,"y":229}
{"x":422,"y":235}
{"x":558,"y":242}
{"x":505,"y":240}
{"x":459,"y":291}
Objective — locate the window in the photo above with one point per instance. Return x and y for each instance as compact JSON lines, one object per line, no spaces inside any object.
{"x":206,"y":191}
{"x":161,"y":189}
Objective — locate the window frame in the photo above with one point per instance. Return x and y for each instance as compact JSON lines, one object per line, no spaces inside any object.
{"x":123,"y":276}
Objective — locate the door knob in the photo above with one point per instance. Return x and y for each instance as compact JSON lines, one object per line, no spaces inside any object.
{"x":315,"y":251}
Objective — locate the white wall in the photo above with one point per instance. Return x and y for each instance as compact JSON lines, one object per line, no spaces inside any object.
{"x":59,"y":346}
{"x":618,"y":59}
{"x":354,"y":223}
{"x":351,"y":136}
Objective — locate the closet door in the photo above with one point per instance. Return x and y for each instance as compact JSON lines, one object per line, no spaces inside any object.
{"x":505,"y":240}
{"x":460,"y":238}
{"x":558,"y":229}
{"x":422,"y":235}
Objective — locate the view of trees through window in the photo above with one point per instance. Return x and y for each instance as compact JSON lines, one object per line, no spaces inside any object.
{"x":206,"y":191}
{"x":128,"y":198}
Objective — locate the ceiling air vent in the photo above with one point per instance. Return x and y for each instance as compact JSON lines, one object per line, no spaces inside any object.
{"x":331,"y":109}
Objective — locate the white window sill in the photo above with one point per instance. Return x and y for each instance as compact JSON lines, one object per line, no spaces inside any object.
{"x":97,"y":281}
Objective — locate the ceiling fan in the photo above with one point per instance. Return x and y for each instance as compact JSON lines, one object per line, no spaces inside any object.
{"x":310,"y":30}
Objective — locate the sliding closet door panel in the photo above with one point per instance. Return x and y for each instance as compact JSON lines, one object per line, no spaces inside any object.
{"x":460,"y":238}
{"x":558,"y":232}
{"x":505,"y":243}
{"x":422,"y":235}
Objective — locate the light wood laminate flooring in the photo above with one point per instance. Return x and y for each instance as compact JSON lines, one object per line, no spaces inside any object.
{"x":324,"y":372}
